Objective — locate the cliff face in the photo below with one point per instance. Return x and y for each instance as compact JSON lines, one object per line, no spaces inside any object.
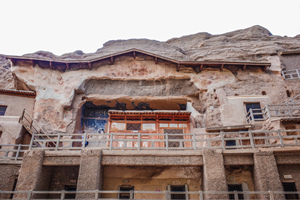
{"x":60,"y":95}
{"x":251,"y":44}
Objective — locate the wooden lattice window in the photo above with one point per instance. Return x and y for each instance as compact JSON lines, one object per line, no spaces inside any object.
{"x":133,"y":126}
{"x":176,"y":135}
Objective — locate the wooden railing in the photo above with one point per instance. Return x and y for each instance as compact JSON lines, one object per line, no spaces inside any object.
{"x":255,"y":115}
{"x":273,"y":110}
{"x":283,"y":110}
{"x":12,"y":152}
{"x":291,"y":74}
{"x":153,"y":141}
{"x":142,"y":195}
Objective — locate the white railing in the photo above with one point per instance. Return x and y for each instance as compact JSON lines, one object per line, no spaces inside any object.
{"x":153,"y":141}
{"x":291,"y":74}
{"x":12,"y":152}
{"x":254,"y":115}
{"x":142,"y":195}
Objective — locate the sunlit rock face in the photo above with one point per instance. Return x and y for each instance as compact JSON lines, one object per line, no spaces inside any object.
{"x":63,"y":89}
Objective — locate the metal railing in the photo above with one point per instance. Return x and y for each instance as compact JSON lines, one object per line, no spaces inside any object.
{"x":12,"y":152}
{"x":153,"y":141}
{"x":291,"y":74}
{"x":254,"y":115}
{"x":143,"y":195}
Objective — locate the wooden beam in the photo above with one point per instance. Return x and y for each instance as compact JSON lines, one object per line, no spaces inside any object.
{"x":244,"y":67}
{"x":134,"y":55}
{"x":67,"y":65}
{"x":222,"y":67}
{"x":156,"y":60}
{"x":111,"y":60}
{"x":90,"y":66}
{"x":50,"y":63}
{"x":201,"y":67}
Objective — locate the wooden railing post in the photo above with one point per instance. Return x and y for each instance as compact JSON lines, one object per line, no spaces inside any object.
{"x":131,"y":194}
{"x":62,"y":195}
{"x":271,"y":195}
{"x":29,"y":194}
{"x":251,"y":140}
{"x":167,"y":142}
{"x":298,"y":73}
{"x":96,"y":194}
{"x":280,"y":138}
{"x":236,"y":195}
{"x":201,"y":197}
{"x":252,"y":116}
{"x":223,"y":140}
{"x":166,"y":195}
{"x":57,"y":142}
{"x":111,"y":141}
{"x":139,"y":141}
{"x":31,"y":141}
{"x":194,"y":141}
{"x":18,"y":152}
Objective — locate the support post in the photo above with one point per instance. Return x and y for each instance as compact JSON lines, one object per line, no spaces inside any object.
{"x":214,"y":178}
{"x":31,"y":175}
{"x":90,"y":177}
{"x":266,"y":175}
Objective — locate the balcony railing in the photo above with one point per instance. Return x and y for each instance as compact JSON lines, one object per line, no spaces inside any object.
{"x":142,"y":141}
{"x":12,"y":152}
{"x":153,"y":141}
{"x":283,"y":110}
{"x":256,"y":115}
{"x":273,"y":110}
{"x":142,"y":195}
{"x":291,"y":74}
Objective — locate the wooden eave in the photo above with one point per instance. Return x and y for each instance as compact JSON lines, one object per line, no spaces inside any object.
{"x":290,"y":52}
{"x":18,"y":92}
{"x":134,"y":52}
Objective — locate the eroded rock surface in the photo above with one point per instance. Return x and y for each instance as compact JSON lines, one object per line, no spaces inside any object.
{"x":61,"y":93}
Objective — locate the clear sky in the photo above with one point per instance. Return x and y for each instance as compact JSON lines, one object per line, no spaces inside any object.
{"x":62,"y":26}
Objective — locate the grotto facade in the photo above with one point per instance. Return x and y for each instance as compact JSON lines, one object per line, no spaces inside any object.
{"x":197,"y":117}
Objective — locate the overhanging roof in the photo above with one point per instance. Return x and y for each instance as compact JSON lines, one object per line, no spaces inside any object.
{"x":18,"y":92}
{"x":65,"y":64}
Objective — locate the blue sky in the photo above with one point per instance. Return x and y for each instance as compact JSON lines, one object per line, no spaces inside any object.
{"x":62,"y":26}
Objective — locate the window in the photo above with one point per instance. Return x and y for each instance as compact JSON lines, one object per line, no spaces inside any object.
{"x":290,"y":187}
{"x":178,"y":188}
{"x":176,"y":137}
{"x":235,"y":187}
{"x":256,"y":109}
{"x":2,"y":110}
{"x":125,"y":191}
{"x":230,"y":143}
{"x":133,"y":126}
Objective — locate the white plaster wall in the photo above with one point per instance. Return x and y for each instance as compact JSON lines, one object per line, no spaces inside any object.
{"x":234,"y":112}
{"x":16,"y":104}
